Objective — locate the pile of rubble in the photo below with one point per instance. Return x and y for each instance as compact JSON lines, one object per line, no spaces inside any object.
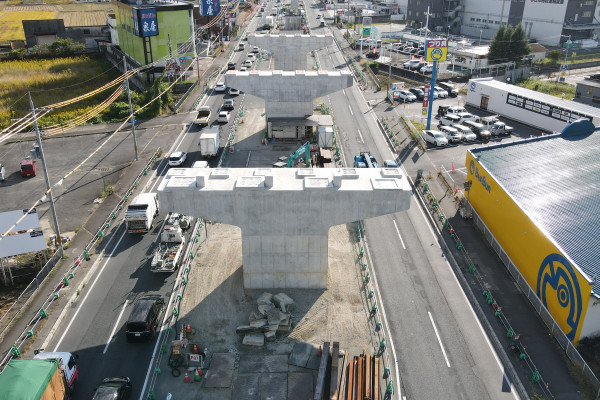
{"x":274,"y":315}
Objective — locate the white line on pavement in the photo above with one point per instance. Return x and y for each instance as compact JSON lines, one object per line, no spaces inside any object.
{"x":343,"y":91}
{"x":360,"y":135}
{"x":350,"y":108}
{"x":88,"y":293}
{"x":399,"y":235}
{"x":115,"y":327}
{"x":248,"y":160}
{"x":439,"y":339}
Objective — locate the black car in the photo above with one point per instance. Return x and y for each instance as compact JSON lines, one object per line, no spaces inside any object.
{"x":449,"y":87}
{"x":144,"y":318}
{"x":231,"y":65}
{"x":417,"y":92}
{"x":118,"y":388}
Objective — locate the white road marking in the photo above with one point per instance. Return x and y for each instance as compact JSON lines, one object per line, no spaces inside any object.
{"x":115,"y":327}
{"x":439,"y":339}
{"x":360,"y":135}
{"x":399,"y":235}
{"x":161,"y":228}
{"x":88,"y":293}
{"x":349,"y":108}
{"x":248,"y":160}
{"x":343,"y":91}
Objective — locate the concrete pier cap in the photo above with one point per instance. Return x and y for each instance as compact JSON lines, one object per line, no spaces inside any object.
{"x":284,"y":213}
{"x":289,"y":94}
{"x":289,"y":50}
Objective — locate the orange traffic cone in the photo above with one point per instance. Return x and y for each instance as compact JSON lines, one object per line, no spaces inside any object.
{"x":453,"y":170}
{"x":186,"y":377}
{"x":199,"y":371}
{"x":262,"y":141}
{"x":188,"y":329}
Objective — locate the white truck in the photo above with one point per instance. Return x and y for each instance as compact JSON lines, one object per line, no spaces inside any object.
{"x":141,"y":213}
{"x":203,"y":116}
{"x":169,"y":253}
{"x":209,"y":141}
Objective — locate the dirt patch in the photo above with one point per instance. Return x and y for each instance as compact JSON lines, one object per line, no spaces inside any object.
{"x":215,"y":301}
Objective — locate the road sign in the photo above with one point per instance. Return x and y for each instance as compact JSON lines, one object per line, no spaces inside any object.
{"x":426,"y":97}
{"x":565,"y":67}
{"x":424,"y":110}
{"x":366,"y":32}
{"x":437,"y":50}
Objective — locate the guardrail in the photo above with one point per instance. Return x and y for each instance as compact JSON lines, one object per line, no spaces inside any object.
{"x":373,"y":76}
{"x":29,"y":331}
{"x":186,"y":95}
{"x":232,"y":130}
{"x":484,"y":288}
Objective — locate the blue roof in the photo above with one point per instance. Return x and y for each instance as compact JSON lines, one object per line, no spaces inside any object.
{"x":555,"y":179}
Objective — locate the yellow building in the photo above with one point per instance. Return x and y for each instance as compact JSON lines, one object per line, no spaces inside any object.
{"x":538,"y":202}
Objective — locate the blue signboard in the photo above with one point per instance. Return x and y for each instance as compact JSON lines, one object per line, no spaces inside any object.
{"x":209,"y":8}
{"x":147,"y":20}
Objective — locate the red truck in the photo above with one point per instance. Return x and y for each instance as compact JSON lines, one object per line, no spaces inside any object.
{"x":27,"y":167}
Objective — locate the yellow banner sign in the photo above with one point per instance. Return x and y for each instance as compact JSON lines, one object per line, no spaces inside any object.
{"x":437,"y":50}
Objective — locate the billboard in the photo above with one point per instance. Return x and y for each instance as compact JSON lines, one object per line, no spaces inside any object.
{"x":144,"y":22}
{"x":437,"y":50}
{"x":209,"y":8}
{"x":26,"y":237}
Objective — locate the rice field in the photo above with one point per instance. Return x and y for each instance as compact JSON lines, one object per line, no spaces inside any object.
{"x":51,"y":81}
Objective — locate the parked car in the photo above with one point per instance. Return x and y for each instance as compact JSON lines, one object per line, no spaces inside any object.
{"x":443,"y":110}
{"x":427,"y":69}
{"x":28,"y":167}
{"x":435,"y":137}
{"x":466,"y":116}
{"x":406,"y":97}
{"x":220,"y":87}
{"x":228,"y":104}
{"x":451,"y":134}
{"x":449,"y":120}
{"x":456,"y":110}
{"x":412,"y":64}
{"x":234,"y":92}
{"x":417,"y":92}
{"x":144,"y":318}
{"x":118,"y":388}
{"x":449,"y":87}
{"x":420,"y":52}
{"x":177,"y":158}
{"x":467,"y":134}
{"x":390,"y":164}
{"x":479,"y":130}
{"x":223,"y":116}
{"x":435,"y":95}
{"x":442,"y":94}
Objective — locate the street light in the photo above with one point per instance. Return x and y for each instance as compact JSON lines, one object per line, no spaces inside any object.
{"x":480,"y":34}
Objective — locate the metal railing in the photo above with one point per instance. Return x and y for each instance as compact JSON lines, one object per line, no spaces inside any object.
{"x":29,"y":331}
{"x":232,"y":130}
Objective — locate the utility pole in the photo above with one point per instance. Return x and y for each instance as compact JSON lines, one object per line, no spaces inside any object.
{"x":131,"y":111}
{"x":48,"y":188}
{"x":391,"y":98}
{"x":563,"y":68}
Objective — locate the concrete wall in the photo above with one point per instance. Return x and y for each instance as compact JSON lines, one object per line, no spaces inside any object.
{"x":284,"y":214}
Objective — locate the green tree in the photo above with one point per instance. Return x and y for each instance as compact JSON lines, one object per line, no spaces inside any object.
{"x":66,"y":47}
{"x":518,"y":46}
{"x":496,"y":53}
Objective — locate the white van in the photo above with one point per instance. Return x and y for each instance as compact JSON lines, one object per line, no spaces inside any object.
{"x":68,"y":363}
{"x":451,"y":134}
{"x":467,"y":134}
{"x":455,"y":110}
{"x":449,"y":119}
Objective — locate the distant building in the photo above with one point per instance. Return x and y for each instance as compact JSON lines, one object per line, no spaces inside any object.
{"x":149,"y":31}
{"x":469,"y":57}
{"x":538,"y":52}
{"x":550,"y":22}
{"x":87,"y":31}
{"x":588,"y":90}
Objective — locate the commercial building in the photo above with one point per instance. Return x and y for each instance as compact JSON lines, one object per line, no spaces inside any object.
{"x":550,"y":22}
{"x":536,"y":201}
{"x":542,"y":111}
{"x":153,"y":31}
{"x":588,"y":90}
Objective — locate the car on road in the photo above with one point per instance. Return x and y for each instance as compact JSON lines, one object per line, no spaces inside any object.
{"x":417,"y":92}
{"x":442,"y":94}
{"x":426,"y":69}
{"x":451,"y":134}
{"x":228,"y":104}
{"x":412,"y":64}
{"x":144,"y":318}
{"x":467,"y":134}
{"x":405,"y":96}
{"x":255,"y":49}
{"x":223,"y":116}
{"x":234,"y":92}
{"x":220,"y":87}
{"x":435,"y":137}
{"x":177,"y":158}
{"x":248,"y":64}
{"x":251,"y":57}
{"x":243,"y":68}
{"x":118,"y":388}
{"x":390,"y":164}
{"x":230,"y":65}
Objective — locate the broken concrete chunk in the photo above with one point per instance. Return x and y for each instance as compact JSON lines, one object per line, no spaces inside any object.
{"x":274,"y":316}
{"x":264,"y":299}
{"x":264,"y":309}
{"x":248,"y":328}
{"x":254,"y":339}
{"x":284,"y":318}
{"x":283,"y":302}
{"x":258,"y":323}
{"x":253,"y":316}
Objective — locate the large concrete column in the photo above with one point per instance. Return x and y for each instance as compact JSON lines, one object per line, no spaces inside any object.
{"x":289,"y":94}
{"x":289,"y":51}
{"x":284,"y":214}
